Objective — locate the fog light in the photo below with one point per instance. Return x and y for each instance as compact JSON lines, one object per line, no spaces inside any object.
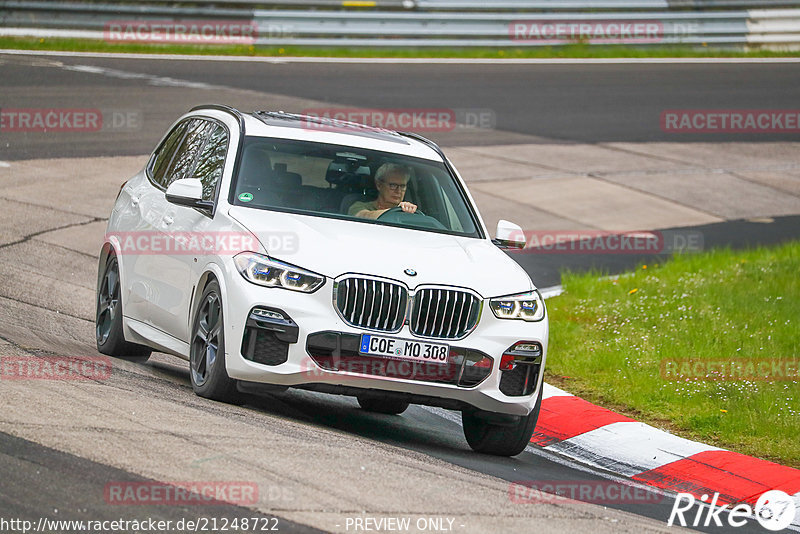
{"x":269,"y":314}
{"x":526,"y":348}
{"x":521,"y":352}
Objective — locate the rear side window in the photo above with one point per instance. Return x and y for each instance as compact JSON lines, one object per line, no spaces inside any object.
{"x":184,"y":159}
{"x":164,"y":153}
{"x":211,"y":161}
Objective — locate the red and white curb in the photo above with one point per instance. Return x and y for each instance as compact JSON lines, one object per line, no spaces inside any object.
{"x":598,"y":437}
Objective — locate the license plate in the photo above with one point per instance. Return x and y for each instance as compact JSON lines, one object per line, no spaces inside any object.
{"x":406,"y":349}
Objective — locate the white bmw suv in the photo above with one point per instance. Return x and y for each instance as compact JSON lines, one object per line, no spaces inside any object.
{"x":272,"y":248}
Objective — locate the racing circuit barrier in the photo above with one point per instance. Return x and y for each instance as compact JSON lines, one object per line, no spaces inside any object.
{"x":419,"y":23}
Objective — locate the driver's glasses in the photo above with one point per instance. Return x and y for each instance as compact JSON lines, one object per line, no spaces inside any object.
{"x":396,"y":187}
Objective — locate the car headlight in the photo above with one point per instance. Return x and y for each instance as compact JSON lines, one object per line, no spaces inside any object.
{"x":264,"y":271}
{"x":528,"y":306}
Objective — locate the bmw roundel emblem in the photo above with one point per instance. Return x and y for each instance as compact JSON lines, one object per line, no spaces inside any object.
{"x":410,"y":272}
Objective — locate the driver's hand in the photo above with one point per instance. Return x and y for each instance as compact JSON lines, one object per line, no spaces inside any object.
{"x":408,"y":207}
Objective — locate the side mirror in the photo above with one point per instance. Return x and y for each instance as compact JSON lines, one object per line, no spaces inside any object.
{"x":509,"y":235}
{"x":188,"y":192}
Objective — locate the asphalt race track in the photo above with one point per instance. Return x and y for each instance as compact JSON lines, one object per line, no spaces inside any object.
{"x":546,"y":103}
{"x":318,"y":461}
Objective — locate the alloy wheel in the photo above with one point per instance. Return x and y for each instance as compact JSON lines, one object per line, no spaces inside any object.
{"x":205,"y":343}
{"x":108,"y":302}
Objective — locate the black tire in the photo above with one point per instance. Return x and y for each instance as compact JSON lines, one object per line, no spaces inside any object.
{"x":108,"y":318}
{"x":207,"y":350}
{"x":500,"y":439}
{"x":378,"y":405}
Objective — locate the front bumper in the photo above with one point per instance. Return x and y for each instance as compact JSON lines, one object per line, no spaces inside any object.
{"x":315,"y":349}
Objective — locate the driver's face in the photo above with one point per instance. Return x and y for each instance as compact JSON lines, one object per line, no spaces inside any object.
{"x":393,"y":188}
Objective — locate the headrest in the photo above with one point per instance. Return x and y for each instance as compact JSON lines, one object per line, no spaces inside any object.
{"x":256,"y":166}
{"x":347,"y":174}
{"x":282,"y":178}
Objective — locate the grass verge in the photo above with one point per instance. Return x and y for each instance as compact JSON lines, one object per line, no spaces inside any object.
{"x":567,"y":51}
{"x":610,"y":337}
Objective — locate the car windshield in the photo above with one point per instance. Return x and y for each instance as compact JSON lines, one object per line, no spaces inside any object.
{"x":340,"y":182}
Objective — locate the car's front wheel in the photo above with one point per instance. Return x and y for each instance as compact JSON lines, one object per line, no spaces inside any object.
{"x":506,"y":437}
{"x":207,"y":353}
{"x":108,"y":317}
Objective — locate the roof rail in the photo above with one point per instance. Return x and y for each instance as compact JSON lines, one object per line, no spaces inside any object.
{"x":344,"y":126}
{"x":424,"y":140}
{"x":227,"y":109}
{"x":323,"y":120}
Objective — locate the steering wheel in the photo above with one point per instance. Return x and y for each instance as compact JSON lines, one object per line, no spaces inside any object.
{"x":417,"y":219}
{"x":398,"y":209}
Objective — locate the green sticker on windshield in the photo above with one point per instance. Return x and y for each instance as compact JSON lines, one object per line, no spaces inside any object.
{"x":245,"y":197}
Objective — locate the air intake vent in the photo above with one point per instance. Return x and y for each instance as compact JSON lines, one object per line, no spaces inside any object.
{"x":372,"y":303}
{"x":444,"y":313}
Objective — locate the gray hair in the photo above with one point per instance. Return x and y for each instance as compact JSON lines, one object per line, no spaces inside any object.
{"x":392,"y":168}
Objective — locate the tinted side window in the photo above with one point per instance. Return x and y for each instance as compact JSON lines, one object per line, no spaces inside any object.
{"x":164,"y":154}
{"x":211,"y":161}
{"x":184,"y":158}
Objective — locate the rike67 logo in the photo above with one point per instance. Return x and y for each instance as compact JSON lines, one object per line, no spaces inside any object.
{"x":774,"y":510}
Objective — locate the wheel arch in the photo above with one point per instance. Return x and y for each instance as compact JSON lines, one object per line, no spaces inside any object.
{"x":111,"y":246}
{"x":212,"y":272}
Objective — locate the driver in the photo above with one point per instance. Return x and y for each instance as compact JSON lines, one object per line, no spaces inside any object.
{"x":391,"y":180}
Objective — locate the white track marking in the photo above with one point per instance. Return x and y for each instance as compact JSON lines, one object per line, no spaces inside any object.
{"x":403,"y":60}
{"x":611,"y":472}
{"x":552,"y":291}
{"x":52,"y":33}
{"x":554,"y":457}
{"x":160,"y":81}
{"x":450,"y":415}
{"x":552,"y":391}
{"x":629,"y":447}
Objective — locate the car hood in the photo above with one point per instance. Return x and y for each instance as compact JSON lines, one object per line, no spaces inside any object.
{"x":333,"y":247}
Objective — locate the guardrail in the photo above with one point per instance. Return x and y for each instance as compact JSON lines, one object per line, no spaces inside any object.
{"x":594,"y":5}
{"x":457,"y":5}
{"x":412,"y":27}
